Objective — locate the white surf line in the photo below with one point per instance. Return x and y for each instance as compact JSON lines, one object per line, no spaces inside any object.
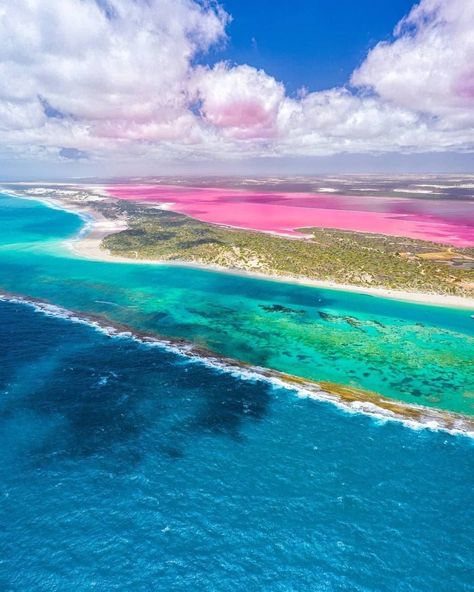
{"x":431,"y":418}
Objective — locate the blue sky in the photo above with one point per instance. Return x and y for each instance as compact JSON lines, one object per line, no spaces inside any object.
{"x":312,"y":43}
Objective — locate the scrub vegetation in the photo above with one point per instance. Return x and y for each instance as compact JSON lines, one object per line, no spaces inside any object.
{"x":332,"y":255}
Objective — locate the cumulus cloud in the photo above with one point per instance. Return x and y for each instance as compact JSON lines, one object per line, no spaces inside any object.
{"x":430,"y":65}
{"x":240,"y":101}
{"x":94,"y":70}
{"x":118,"y":77}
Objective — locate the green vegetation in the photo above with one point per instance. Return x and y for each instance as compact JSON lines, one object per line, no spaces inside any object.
{"x":339,"y":256}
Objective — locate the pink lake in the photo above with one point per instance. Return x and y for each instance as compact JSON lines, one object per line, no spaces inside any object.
{"x":441,"y":221}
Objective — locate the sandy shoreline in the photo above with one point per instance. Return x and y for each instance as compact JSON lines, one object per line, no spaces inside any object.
{"x":87,"y":244}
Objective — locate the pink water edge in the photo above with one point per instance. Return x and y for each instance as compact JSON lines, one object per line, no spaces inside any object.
{"x":441,"y":221}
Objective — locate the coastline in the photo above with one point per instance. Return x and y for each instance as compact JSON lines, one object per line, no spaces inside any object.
{"x":88,"y":245}
{"x":348,"y":399}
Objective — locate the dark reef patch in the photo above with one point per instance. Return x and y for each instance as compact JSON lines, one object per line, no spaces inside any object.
{"x":281,"y":309}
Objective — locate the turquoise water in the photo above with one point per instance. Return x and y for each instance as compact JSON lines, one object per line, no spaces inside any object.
{"x":419,"y":354}
{"x":127,"y":468}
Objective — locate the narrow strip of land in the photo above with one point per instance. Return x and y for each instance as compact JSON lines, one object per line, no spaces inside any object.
{"x":390,"y":267}
{"x":403,"y":269}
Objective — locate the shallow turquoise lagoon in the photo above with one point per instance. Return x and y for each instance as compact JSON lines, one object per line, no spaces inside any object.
{"x":419,"y":354}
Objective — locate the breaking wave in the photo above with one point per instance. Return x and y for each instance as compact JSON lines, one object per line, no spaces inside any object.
{"x":431,"y":419}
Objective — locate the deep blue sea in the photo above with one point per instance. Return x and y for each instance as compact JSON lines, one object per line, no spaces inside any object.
{"x":126,"y":467}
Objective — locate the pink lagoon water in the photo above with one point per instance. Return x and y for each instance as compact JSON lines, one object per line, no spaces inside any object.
{"x":441,"y":221}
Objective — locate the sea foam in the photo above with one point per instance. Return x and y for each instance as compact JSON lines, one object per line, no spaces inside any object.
{"x":430,"y":419}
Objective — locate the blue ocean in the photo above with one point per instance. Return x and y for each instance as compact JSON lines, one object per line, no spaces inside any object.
{"x":129,"y":467}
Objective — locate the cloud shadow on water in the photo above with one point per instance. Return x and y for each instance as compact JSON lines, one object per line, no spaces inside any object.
{"x":110,"y":395}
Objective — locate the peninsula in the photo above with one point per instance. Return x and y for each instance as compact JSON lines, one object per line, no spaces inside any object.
{"x":393,"y":266}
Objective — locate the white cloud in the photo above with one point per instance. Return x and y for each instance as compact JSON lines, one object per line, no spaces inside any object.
{"x":240,"y":101}
{"x":430,"y":66}
{"x":117,"y":74}
{"x":115,"y":78}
